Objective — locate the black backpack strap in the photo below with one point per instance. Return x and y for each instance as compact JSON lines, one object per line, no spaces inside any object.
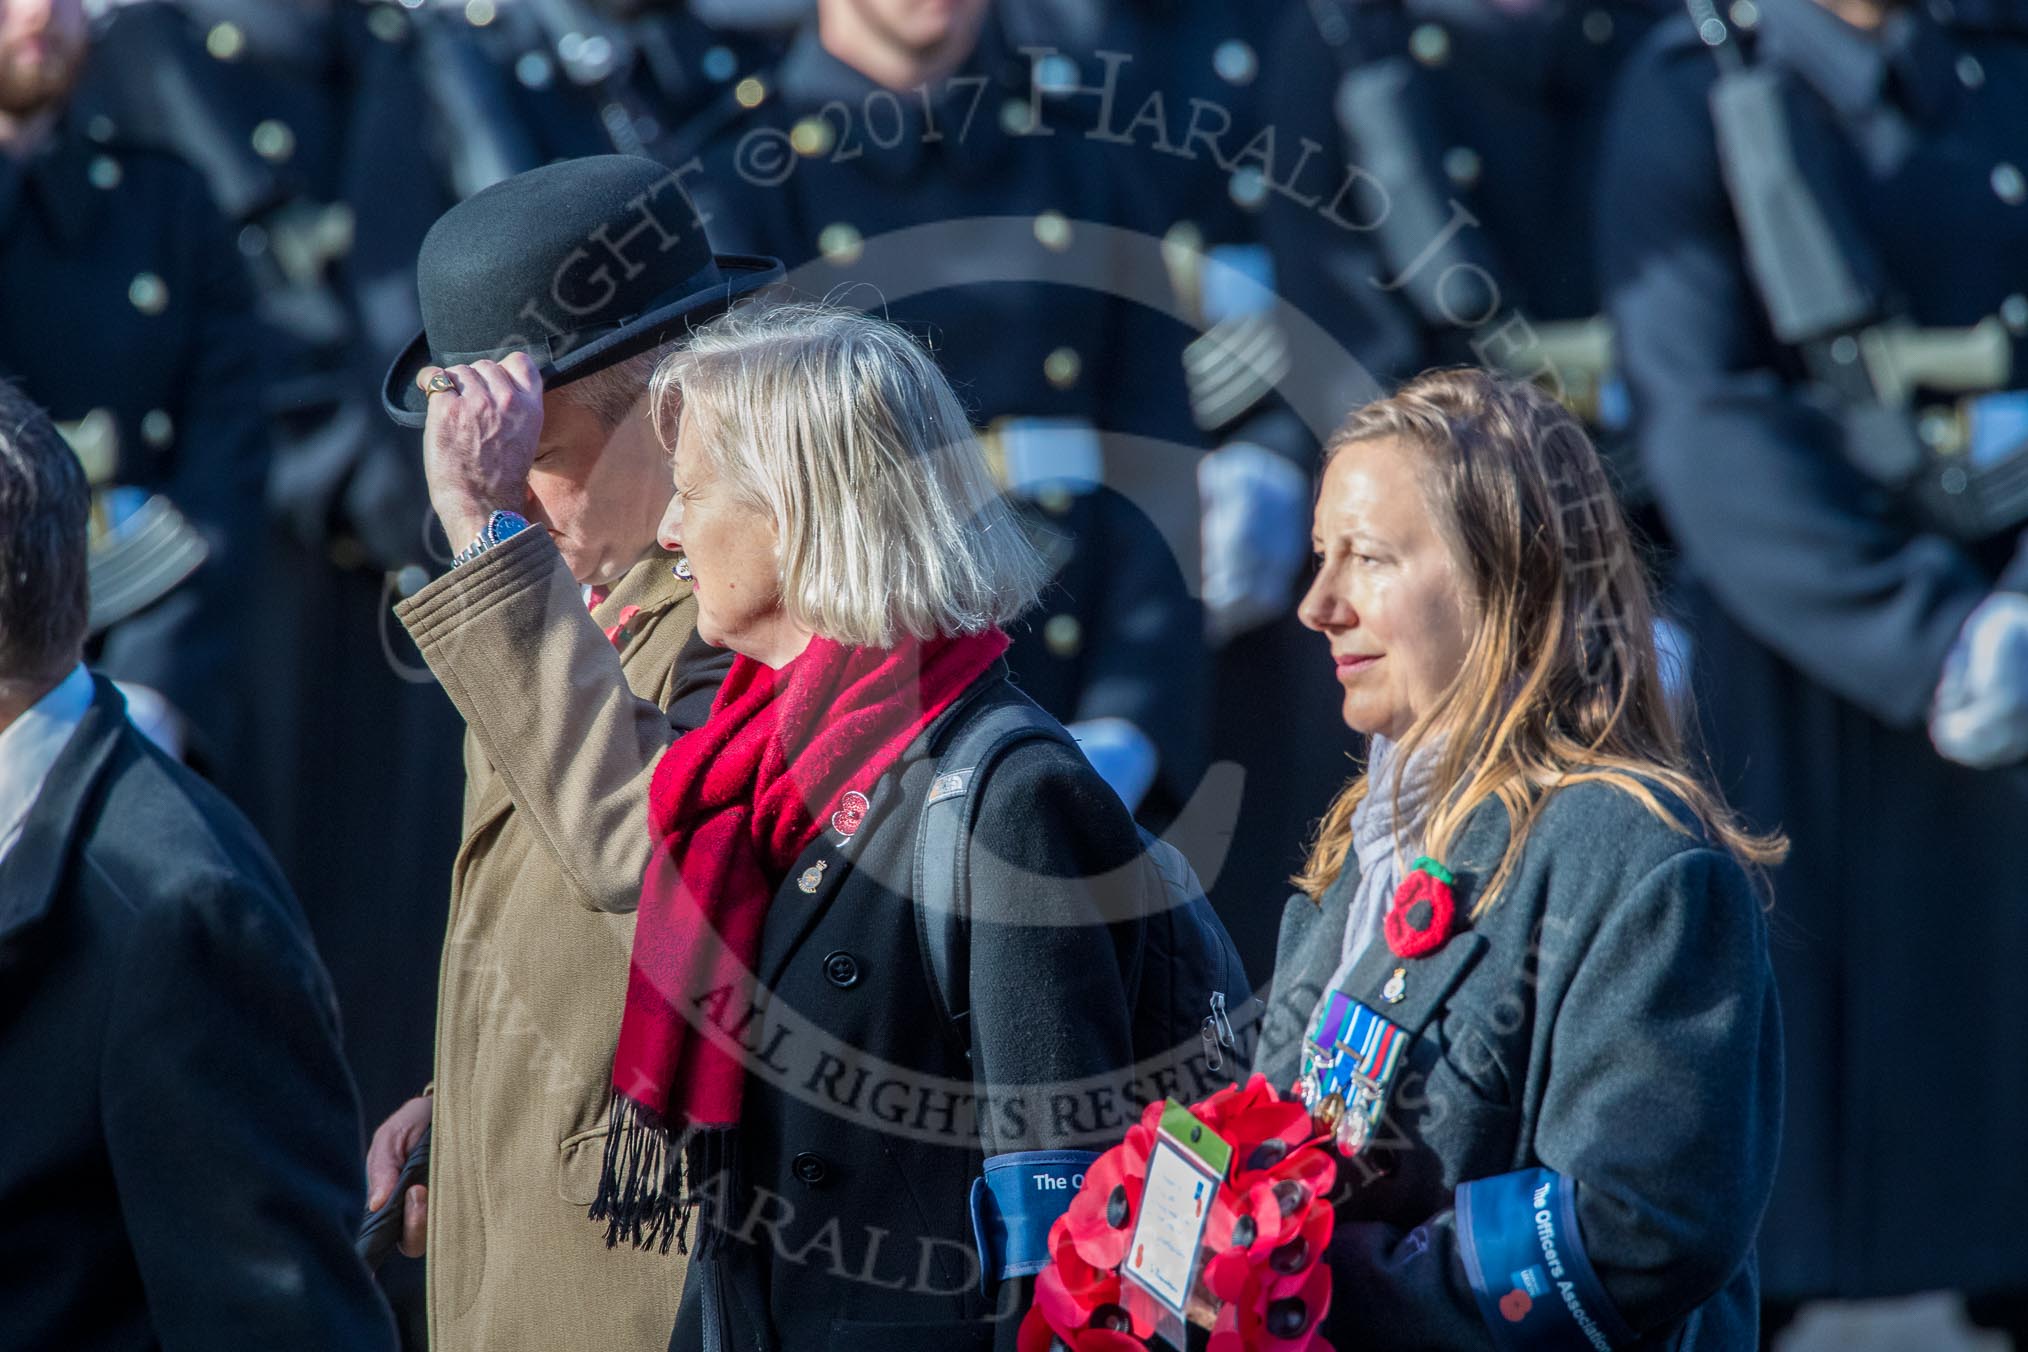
{"x":942,"y":891}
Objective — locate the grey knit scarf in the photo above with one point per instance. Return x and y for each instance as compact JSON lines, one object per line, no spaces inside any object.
{"x":1387,"y":829}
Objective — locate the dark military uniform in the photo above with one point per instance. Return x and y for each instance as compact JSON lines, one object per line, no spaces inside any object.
{"x":292,"y":116}
{"x":124,"y":295}
{"x":1021,"y":301}
{"x":1167,"y":99}
{"x":1823,"y":610}
{"x":1446,"y":218}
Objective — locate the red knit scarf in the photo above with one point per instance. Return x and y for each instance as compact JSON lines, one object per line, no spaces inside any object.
{"x":732,"y":806}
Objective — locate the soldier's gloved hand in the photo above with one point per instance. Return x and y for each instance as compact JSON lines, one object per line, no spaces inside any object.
{"x":1255,"y":528}
{"x":1121,"y":753}
{"x":1980,"y":716}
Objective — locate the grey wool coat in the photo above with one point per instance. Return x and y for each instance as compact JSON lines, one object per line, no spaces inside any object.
{"x":1612,"y":1018}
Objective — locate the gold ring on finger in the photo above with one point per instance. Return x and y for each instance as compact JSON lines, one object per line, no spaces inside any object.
{"x":441,"y":383}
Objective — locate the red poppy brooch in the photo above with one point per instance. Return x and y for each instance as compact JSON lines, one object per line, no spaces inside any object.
{"x":1425,"y":911}
{"x":1258,"y":1283}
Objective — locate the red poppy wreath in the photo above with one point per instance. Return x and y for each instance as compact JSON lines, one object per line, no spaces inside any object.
{"x":1259,"y":1285}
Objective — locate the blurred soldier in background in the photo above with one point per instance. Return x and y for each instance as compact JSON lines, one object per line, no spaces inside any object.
{"x":1445,"y":221}
{"x":1165,"y":97}
{"x":128,"y":316}
{"x":1814,"y":234}
{"x":884,"y":116}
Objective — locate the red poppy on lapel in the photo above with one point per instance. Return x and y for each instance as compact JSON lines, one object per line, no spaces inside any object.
{"x":1425,"y":910}
{"x":851,"y":811}
{"x":616,"y":634}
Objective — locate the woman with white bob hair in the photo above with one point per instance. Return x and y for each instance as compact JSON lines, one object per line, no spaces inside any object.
{"x":791,"y":1075}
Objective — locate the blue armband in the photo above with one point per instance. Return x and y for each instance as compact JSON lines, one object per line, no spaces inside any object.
{"x":1526,"y":1262}
{"x":1016,"y":1202}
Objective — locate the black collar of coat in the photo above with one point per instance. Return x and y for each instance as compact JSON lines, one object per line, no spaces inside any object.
{"x":32,"y":870}
{"x":811,"y":79}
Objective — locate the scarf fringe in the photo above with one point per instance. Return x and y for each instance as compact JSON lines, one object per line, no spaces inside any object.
{"x":648,"y":1181}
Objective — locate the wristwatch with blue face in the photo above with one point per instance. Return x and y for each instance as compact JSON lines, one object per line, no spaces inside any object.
{"x":499,"y":526}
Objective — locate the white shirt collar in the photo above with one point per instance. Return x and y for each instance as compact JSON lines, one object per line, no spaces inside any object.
{"x":30,"y":745}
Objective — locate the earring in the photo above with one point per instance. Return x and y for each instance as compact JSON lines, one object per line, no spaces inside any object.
{"x":682,"y":567}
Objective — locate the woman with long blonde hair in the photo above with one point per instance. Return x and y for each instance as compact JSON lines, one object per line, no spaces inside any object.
{"x":1526,"y":977}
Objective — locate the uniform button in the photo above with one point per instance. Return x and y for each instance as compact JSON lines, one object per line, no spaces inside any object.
{"x":813,"y":136}
{"x":749,"y":92}
{"x":1462,"y":165}
{"x":105,"y":172}
{"x":1061,"y":367}
{"x":841,"y":969}
{"x":535,"y":70}
{"x":1430,"y":44}
{"x":1598,"y":27}
{"x":225,"y":42}
{"x":1052,"y":229}
{"x":273,"y":141}
{"x":1063,"y":635}
{"x":1247,"y":187}
{"x":1970,"y":73}
{"x":1235,"y":62}
{"x":387,"y":23}
{"x":1014,"y":117}
{"x":841,"y":244}
{"x":1745,"y":14}
{"x":2009,"y":185}
{"x":479,"y":13}
{"x":158,"y":429}
{"x":719,"y":64}
{"x":1055,"y":75}
{"x":101,"y":129}
{"x":149,"y":293}
{"x":811,"y":1168}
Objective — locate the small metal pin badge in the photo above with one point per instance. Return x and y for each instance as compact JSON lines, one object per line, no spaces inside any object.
{"x":813,"y":876}
{"x":851,"y":812}
{"x":1396,"y":989}
{"x":681,"y":568}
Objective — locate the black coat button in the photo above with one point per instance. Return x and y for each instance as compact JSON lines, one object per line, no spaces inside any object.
{"x":841,"y":969}
{"x":810,"y":1168}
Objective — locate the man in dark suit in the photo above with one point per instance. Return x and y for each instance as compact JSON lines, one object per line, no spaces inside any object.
{"x":178,"y":1148}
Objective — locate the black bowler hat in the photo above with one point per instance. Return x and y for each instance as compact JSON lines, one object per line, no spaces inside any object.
{"x":580,"y":264}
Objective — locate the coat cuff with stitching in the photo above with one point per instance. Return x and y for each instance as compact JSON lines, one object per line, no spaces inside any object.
{"x":517,"y":564}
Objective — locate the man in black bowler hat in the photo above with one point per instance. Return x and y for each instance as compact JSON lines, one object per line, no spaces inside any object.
{"x":547,"y":301}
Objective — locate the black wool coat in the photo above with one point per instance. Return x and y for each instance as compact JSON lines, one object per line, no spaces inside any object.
{"x":179,"y":1141}
{"x":1822,"y":615}
{"x":862,"y":1128}
{"x":1613,"y":1019}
